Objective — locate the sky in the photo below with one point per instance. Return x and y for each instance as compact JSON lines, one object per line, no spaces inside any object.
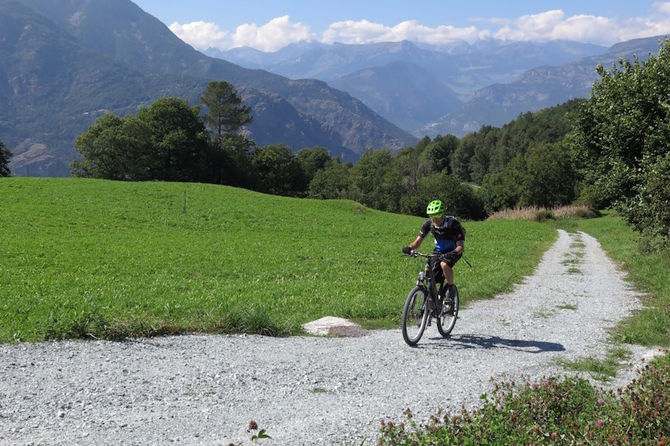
{"x":269,"y":25}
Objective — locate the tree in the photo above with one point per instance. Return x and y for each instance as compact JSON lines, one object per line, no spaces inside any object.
{"x":485,"y":142}
{"x":112,"y":148}
{"x":376,"y":181}
{"x":312,"y":160}
{"x":651,"y":214}
{"x":5,"y":155}
{"x":460,"y":199}
{"x":550,"y":178}
{"x":542,"y":177}
{"x":277,"y":170}
{"x":225,"y":111}
{"x":505,"y":189}
{"x":166,"y":141}
{"x":333,"y":181}
{"x":178,"y":140}
{"x":411,"y":165}
{"x":460,"y":158}
{"x":230,"y":161}
{"x":622,"y":137}
{"x":440,"y":152}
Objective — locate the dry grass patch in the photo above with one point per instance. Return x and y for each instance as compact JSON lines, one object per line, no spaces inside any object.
{"x":534,"y":213}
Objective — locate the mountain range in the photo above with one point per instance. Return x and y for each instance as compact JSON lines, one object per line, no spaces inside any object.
{"x":67,"y":62}
{"x":455,"y":88}
{"x":536,"y":89}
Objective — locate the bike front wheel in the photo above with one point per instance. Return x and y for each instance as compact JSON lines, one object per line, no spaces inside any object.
{"x":415,"y":315}
{"x":447,"y":320}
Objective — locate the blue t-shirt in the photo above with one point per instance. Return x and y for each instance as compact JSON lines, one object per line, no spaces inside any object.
{"x":446,"y":235}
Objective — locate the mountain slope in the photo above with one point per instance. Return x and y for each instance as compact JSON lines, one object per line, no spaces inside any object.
{"x":407,"y":83}
{"x":461,"y":66}
{"x":91,"y":56}
{"x":54,"y":89}
{"x":536,"y":89}
{"x":403,"y":93}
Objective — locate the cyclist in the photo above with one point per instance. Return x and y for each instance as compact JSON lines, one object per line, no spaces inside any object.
{"x":449,"y":240}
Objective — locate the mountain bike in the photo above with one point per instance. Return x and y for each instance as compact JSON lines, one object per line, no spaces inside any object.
{"x":424,"y":304}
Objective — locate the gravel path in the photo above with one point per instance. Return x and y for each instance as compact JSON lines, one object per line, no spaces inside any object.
{"x":308,"y":390}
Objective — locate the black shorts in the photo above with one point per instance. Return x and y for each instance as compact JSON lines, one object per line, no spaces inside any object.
{"x":450,"y":257}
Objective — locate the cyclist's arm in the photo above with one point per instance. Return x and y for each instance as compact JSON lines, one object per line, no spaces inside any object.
{"x":416,"y":243}
{"x":460,"y":240}
{"x":422,"y":234}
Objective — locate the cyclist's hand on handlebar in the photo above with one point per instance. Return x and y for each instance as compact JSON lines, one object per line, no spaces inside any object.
{"x":407,"y":250}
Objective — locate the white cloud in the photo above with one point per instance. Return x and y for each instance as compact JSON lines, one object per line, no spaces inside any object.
{"x":657,"y":23}
{"x":363,"y":31}
{"x":200,"y":35}
{"x":275,"y":34}
{"x":662,"y":8}
{"x":272,"y":36}
{"x":547,"y":25}
{"x":586,"y":28}
{"x":350,"y":31}
{"x":552,"y":25}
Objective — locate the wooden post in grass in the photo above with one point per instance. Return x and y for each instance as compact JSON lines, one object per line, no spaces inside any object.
{"x":184,"y":201}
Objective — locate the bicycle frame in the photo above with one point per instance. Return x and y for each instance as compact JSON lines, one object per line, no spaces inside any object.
{"x":415,"y":318}
{"x":427,"y":279}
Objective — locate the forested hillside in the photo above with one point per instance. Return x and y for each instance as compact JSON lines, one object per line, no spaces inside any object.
{"x":609,"y":150}
{"x":65,"y":64}
{"x":519,"y":164}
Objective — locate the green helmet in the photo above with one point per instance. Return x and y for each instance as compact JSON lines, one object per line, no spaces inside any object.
{"x":435,"y":208}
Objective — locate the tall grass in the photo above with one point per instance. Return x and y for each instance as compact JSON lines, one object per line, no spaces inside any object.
{"x":91,"y":258}
{"x":534,"y":213}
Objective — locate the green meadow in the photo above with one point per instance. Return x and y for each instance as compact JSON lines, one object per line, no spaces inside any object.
{"x":102,"y":259}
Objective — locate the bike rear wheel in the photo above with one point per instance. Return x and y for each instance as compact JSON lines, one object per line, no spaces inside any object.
{"x":415,"y":315}
{"x":447,"y":321}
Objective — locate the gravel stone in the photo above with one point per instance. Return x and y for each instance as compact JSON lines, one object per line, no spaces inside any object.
{"x":205,"y":389}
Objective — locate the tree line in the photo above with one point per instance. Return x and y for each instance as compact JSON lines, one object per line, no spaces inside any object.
{"x":611,"y":150}
{"x":5,"y":156}
{"x":172,"y":141}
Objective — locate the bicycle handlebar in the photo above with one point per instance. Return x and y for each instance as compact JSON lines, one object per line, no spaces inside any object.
{"x":435,"y":254}
{"x":420,"y":254}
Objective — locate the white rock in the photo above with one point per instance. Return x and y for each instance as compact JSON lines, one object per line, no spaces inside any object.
{"x":334,"y":326}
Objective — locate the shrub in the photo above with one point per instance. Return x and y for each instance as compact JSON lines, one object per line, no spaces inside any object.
{"x":554,"y":411}
{"x":622,"y":141}
{"x":5,"y":155}
{"x":542,"y":214}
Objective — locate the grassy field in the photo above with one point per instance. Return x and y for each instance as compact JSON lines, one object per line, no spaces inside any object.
{"x":86,"y":258}
{"x":89,"y":258}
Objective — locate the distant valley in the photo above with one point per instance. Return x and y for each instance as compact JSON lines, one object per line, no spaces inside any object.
{"x":431,"y":90}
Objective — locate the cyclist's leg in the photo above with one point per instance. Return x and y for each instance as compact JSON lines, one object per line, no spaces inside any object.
{"x":447,"y":267}
{"x":438,"y":272}
{"x":448,"y":272}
